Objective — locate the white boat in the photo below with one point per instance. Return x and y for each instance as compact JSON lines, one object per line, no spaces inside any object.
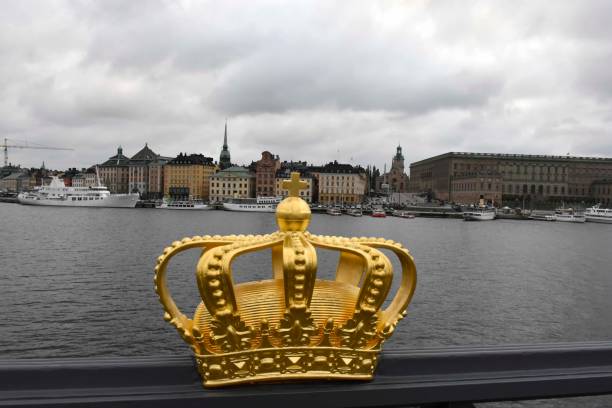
{"x":569,"y":215}
{"x":542,"y":216}
{"x":355,"y":212}
{"x":259,"y":204}
{"x":333,"y":211}
{"x":479,"y":214}
{"x":402,"y":214}
{"x":598,"y":214}
{"x":184,"y":205}
{"x":57,"y":194}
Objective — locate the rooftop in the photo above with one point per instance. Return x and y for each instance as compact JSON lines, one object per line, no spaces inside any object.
{"x":234,"y":171}
{"x":508,"y":156}
{"x":117,"y":160}
{"x":145,"y":154}
{"x":185,"y":159}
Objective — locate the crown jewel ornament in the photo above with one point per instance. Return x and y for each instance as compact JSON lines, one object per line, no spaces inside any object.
{"x":293,"y":326}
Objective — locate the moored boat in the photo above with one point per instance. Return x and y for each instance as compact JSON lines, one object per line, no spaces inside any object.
{"x":479,"y":214}
{"x":378,"y":213}
{"x":333,"y":211}
{"x":355,"y":212}
{"x":58,"y":194}
{"x":598,"y":214}
{"x":542,"y":216}
{"x":569,"y":215}
{"x":402,"y":214}
{"x":184,"y":205}
{"x":259,"y":204}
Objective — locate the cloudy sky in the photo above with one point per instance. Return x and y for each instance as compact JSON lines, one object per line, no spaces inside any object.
{"x":305,"y":80}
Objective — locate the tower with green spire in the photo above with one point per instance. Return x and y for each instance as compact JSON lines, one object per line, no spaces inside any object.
{"x":224,"y":159}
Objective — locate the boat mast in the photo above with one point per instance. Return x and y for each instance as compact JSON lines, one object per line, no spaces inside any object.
{"x":97,"y":177}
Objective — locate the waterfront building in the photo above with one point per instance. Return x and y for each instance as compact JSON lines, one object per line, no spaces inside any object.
{"x":602,"y":192}
{"x":84,"y":178}
{"x":68,"y":175}
{"x":140,"y":166}
{"x":265,"y":174}
{"x":470,"y":189}
{"x":464,"y":177}
{"x":78,"y":180}
{"x":17,"y":181}
{"x":156,"y":177}
{"x":341,"y":184}
{"x":10,"y":169}
{"x":396,"y":180}
{"x":114,"y":173}
{"x":305,"y":194}
{"x":90,"y":178}
{"x":186,"y":177}
{"x":224,"y":158}
{"x":233,"y":182}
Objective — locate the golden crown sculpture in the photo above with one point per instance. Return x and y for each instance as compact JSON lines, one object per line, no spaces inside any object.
{"x":293,"y":326}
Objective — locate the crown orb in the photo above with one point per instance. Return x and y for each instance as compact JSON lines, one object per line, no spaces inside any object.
{"x":293,"y":214}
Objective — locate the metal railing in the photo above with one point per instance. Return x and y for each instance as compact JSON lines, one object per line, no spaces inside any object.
{"x":450,"y":376}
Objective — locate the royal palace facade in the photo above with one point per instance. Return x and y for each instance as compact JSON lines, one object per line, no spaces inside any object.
{"x":467,"y":177}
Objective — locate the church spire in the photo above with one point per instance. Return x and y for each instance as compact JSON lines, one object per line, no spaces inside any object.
{"x":224,"y":158}
{"x":225,"y":137}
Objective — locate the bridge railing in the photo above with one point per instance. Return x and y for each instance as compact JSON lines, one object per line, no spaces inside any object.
{"x":449,"y":376}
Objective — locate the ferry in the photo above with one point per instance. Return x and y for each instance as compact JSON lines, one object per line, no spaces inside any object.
{"x":57,"y":194}
{"x":598,"y":214}
{"x":184,"y":205}
{"x":379,"y":213}
{"x":479,"y":214}
{"x":259,"y":204}
{"x":333,"y":211}
{"x":569,"y":215}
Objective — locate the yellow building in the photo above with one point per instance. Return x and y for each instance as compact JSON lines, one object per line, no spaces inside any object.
{"x":341,"y":184}
{"x":233,"y":182}
{"x":186,"y":177}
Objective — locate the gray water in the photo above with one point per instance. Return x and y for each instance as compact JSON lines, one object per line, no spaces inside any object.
{"x":78,"y":281}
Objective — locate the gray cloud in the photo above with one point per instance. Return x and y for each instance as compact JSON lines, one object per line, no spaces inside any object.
{"x":310,"y":81}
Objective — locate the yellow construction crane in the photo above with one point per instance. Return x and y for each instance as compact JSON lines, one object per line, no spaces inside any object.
{"x":6,"y":145}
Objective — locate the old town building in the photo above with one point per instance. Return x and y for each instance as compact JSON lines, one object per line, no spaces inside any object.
{"x":156,"y":177}
{"x":80,"y":178}
{"x":17,"y":181}
{"x":341,"y":184}
{"x":466,"y":177}
{"x":114,"y":173}
{"x":306,"y":194}
{"x":265,"y":174}
{"x":233,"y":182}
{"x":186,"y":177}
{"x":396,"y":180}
{"x":69,"y":174}
{"x":140,"y":167}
